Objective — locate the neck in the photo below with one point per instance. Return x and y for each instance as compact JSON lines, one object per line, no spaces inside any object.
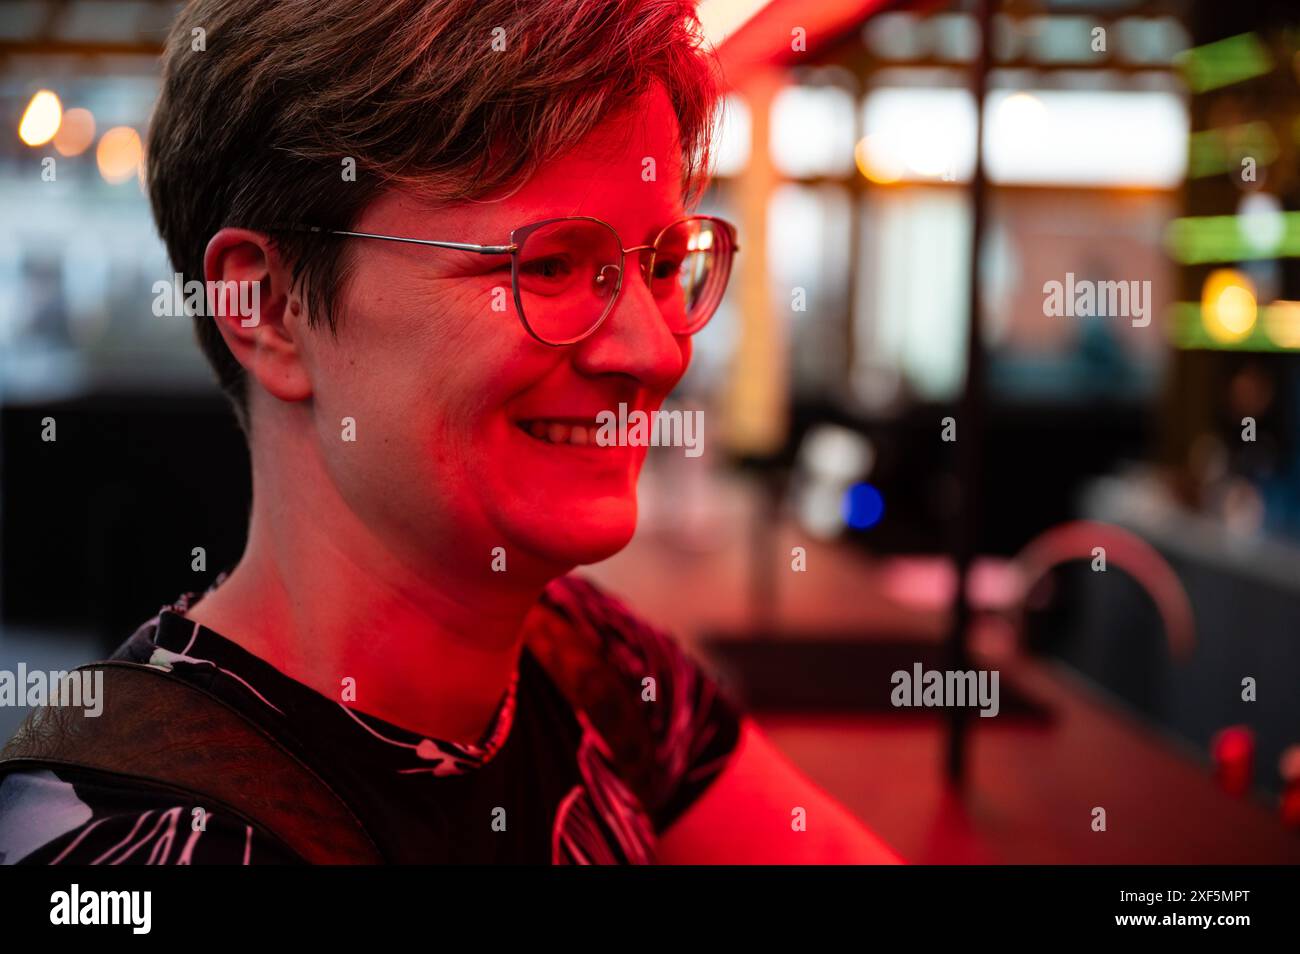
{"x":317,"y":594}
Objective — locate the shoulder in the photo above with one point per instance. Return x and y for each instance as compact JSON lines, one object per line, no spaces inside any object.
{"x":73,"y":816}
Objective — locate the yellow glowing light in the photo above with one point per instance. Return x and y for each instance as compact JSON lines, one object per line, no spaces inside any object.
{"x":41,"y":119}
{"x":700,"y":242}
{"x":1282,"y":323}
{"x":76,"y":132}
{"x":877,"y":161}
{"x":118,"y":154}
{"x":1228,"y":305}
{"x":1020,"y":118}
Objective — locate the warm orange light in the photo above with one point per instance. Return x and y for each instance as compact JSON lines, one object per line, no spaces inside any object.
{"x":41,"y":119}
{"x":876,"y":161}
{"x":76,"y":132}
{"x":1282,"y":323}
{"x":1228,"y":308}
{"x":118,"y":154}
{"x":721,"y":18}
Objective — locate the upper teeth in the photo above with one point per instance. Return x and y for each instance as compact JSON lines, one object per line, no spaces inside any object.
{"x":555,"y":432}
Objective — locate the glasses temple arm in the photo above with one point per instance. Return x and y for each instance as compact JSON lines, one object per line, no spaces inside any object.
{"x":458,"y":246}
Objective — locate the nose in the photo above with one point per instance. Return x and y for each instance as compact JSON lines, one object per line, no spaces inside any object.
{"x":634,"y":339}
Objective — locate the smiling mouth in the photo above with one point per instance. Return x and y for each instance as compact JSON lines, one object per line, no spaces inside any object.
{"x":561,"y":433}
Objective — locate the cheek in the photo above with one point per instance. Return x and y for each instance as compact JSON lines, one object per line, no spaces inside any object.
{"x":430,"y":367}
{"x":406,"y":348}
{"x":478,"y":360}
{"x":372,"y":374}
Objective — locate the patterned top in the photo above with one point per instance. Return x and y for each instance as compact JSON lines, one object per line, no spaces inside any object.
{"x":540,"y":784}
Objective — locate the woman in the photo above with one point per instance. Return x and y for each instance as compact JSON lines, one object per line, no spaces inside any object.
{"x":468,"y":229}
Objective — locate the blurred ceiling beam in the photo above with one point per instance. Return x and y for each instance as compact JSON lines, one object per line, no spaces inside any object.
{"x":77,"y":48}
{"x":764,"y":38}
{"x":82,"y":28}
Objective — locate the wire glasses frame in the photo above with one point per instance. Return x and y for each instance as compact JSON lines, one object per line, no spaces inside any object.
{"x":560,"y":316}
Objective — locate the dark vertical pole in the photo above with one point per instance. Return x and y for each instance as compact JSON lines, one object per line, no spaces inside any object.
{"x":970,"y":412}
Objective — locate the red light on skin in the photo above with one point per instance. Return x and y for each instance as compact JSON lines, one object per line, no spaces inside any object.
{"x":1233,"y":751}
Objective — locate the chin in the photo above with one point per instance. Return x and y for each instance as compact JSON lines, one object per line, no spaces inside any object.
{"x":581,"y":534}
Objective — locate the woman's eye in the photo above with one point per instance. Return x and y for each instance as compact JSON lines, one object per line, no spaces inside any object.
{"x":553,"y":266}
{"x":667,"y":269}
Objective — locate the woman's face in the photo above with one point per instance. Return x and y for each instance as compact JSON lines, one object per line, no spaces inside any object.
{"x":440,"y":383}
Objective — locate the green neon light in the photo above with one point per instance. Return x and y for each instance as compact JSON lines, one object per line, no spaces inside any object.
{"x":1187,"y":332}
{"x":1206,"y":239}
{"x":1234,"y":60}
{"x":1216,"y":151}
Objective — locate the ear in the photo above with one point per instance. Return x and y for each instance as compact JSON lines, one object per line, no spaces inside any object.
{"x":267,"y":337}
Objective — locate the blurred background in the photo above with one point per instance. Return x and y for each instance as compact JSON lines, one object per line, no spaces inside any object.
{"x":909,"y":457}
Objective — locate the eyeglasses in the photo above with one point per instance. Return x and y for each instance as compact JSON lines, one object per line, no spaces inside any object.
{"x":566,"y":273}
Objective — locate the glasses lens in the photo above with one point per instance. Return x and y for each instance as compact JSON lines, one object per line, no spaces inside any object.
{"x":692,"y":261}
{"x":566,"y":275}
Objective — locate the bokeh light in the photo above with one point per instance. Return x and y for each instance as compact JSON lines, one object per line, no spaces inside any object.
{"x":118,"y":154}
{"x":1228,"y":308}
{"x":1019,"y":119}
{"x":76,"y":132}
{"x":41,"y":119}
{"x":1282,"y":323}
{"x":863,"y":506}
{"x":877,"y":163}
{"x":1261,"y":222}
